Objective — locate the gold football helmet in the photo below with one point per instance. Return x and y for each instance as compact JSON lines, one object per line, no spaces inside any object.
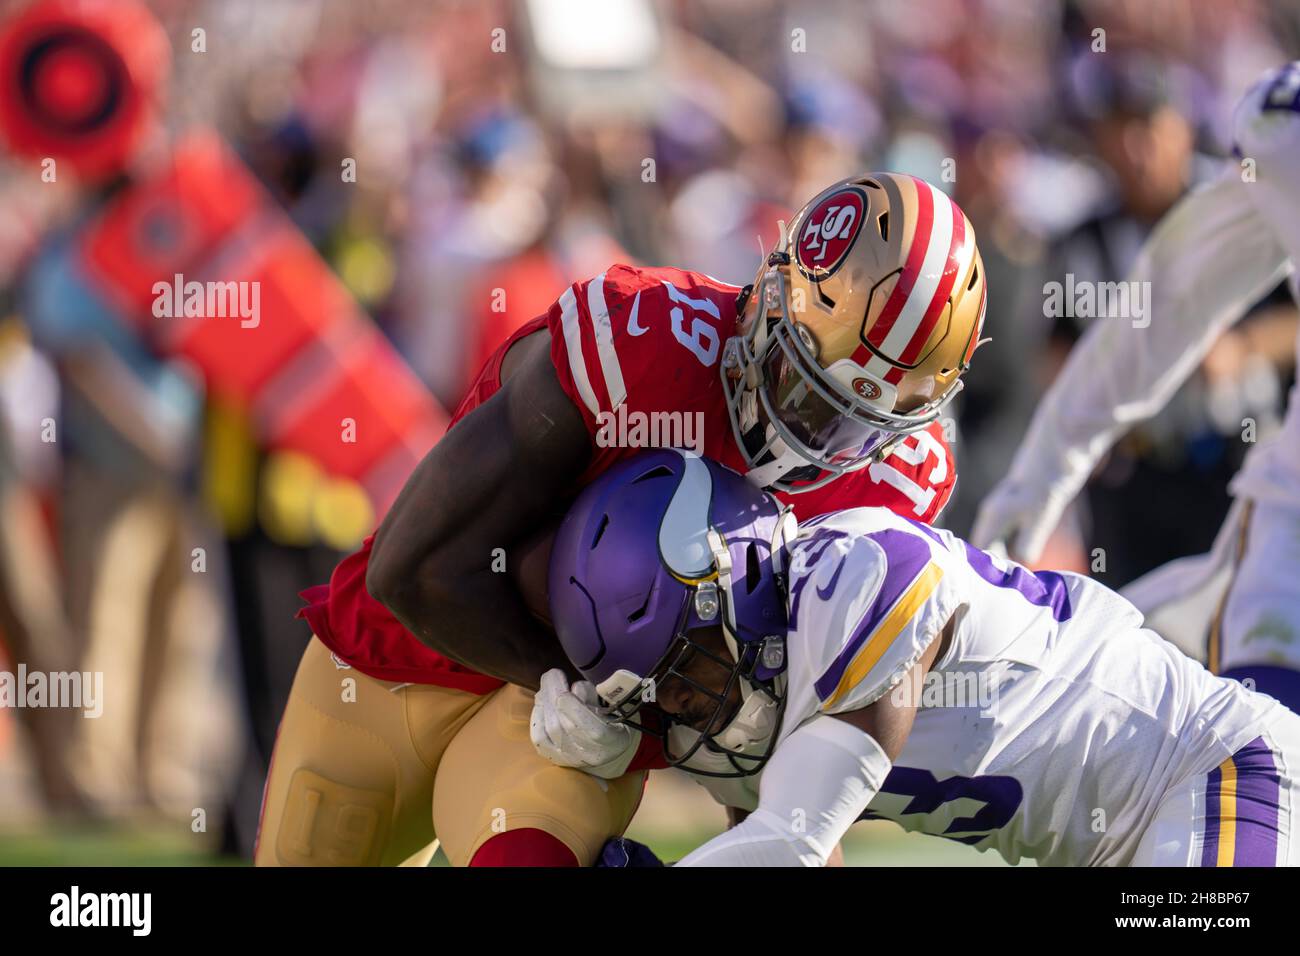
{"x":856,"y":330}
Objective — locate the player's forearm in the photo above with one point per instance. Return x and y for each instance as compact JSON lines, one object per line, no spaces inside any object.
{"x":491,"y":483}
{"x":818,"y":782}
{"x":763,"y":839}
{"x":480,"y":621}
{"x":459,"y":601}
{"x":432,"y":566}
{"x":429,"y":532}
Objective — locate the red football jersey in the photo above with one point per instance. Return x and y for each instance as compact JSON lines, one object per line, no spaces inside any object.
{"x":637,"y":351}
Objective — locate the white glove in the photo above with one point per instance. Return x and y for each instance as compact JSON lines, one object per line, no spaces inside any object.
{"x":568,"y":729}
{"x":1019,"y":518}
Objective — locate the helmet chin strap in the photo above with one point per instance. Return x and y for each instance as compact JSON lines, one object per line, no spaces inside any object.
{"x":757,"y":716}
{"x":755,"y":720}
{"x":781,"y":460}
{"x":722,"y":565}
{"x":746,"y":734}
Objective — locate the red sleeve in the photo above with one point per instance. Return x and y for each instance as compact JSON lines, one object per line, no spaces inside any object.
{"x":587,"y":362}
{"x":649,"y":755}
{"x":646,"y":339}
{"x":915,"y":480}
{"x":488,"y":381}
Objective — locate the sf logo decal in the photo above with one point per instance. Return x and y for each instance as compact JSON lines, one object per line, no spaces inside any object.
{"x":828,"y":233}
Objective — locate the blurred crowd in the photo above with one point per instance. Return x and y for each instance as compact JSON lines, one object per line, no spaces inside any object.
{"x":502,"y":150}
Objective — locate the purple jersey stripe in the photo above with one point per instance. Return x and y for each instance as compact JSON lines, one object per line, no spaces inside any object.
{"x":1046,"y":589}
{"x":1258,"y":786}
{"x":907,"y":556}
{"x":1210,"y":849}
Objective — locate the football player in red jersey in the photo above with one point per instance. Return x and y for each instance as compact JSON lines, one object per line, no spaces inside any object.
{"x":823,"y":381}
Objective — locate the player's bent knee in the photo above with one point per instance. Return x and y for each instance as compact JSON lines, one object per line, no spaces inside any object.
{"x":575,"y":810}
{"x":492,"y":781}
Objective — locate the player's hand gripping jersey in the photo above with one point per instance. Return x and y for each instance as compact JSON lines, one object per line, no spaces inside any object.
{"x":637,"y":350}
{"x":1054,"y":725}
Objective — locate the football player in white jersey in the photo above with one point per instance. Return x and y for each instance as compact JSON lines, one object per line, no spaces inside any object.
{"x":1213,"y":255}
{"x":866,"y":664}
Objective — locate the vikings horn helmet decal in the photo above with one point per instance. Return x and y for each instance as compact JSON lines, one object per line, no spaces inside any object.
{"x":653,"y":552}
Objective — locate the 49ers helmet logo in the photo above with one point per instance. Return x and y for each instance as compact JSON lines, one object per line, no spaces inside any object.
{"x":867,"y":389}
{"x":828,"y":232}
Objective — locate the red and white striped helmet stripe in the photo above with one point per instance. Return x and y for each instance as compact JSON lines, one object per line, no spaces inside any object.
{"x":940,"y":251}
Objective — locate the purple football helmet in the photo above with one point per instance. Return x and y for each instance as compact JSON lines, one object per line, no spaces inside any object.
{"x":656,"y":548}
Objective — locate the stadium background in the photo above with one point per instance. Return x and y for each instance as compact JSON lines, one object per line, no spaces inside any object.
{"x":501,"y":150}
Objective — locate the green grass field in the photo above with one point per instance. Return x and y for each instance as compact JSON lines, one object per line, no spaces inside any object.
{"x":106,"y":846}
{"x":872,"y":844}
{"x":675,"y":816}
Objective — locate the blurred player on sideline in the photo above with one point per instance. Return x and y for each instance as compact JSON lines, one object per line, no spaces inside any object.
{"x":824,"y":382}
{"x":1215,"y":254}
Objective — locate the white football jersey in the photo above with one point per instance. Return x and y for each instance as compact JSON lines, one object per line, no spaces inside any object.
{"x":1267,"y":132}
{"x":1218,"y":251}
{"x":1053,"y":725}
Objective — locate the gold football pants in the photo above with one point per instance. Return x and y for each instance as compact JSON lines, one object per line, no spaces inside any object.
{"x":368,"y":772}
